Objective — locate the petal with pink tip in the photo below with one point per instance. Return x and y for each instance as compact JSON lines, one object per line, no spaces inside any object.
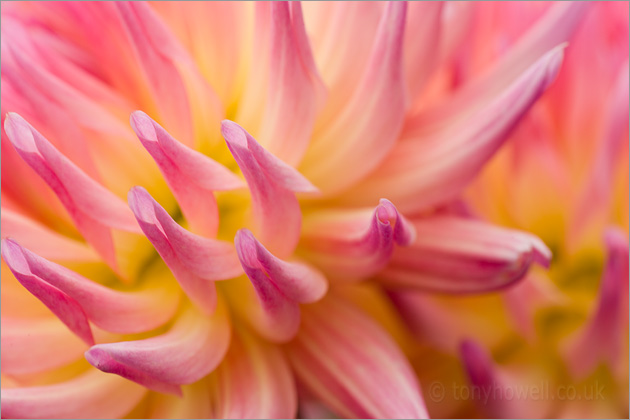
{"x":272,"y":183}
{"x":354,"y":143}
{"x":601,"y":339}
{"x":352,"y":365}
{"x":253,"y":381}
{"x":192,"y":348}
{"x":75,"y":299}
{"x":36,"y":345}
{"x":294,"y":86}
{"x":67,"y":309}
{"x":280,"y":287}
{"x":191,"y":175}
{"x":187,"y":104}
{"x":351,"y":245}
{"x":429,"y":169}
{"x":93,"y":208}
{"x":196,"y":262}
{"x":456,"y":255}
{"x":89,"y":395}
{"x":43,"y":241}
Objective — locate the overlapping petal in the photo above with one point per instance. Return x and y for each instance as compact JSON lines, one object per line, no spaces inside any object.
{"x":93,"y":208}
{"x":273,"y":184}
{"x":280,"y":287}
{"x":195,"y":261}
{"x":191,"y":175}
{"x":345,"y":359}
{"x":77,"y":300}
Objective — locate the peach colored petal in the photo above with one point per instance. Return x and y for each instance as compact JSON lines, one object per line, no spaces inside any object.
{"x":371,"y":121}
{"x":89,"y":395}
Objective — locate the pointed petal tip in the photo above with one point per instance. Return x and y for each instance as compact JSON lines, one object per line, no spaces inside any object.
{"x":13,"y":255}
{"x":142,"y":125}
{"x":233,"y":133}
{"x":103,"y":361}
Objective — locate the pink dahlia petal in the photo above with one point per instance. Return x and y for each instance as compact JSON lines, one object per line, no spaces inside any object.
{"x":434,"y":167}
{"x":350,"y":245}
{"x":89,"y":395}
{"x":93,"y":208}
{"x":280,"y":287}
{"x":67,"y":309}
{"x":346,"y":360}
{"x":371,"y":121}
{"x":191,"y":175}
{"x":186,"y":103}
{"x":37,"y":345}
{"x":482,"y":375}
{"x":601,"y":339}
{"x":196,"y":262}
{"x":614,"y":140}
{"x":554,"y":28}
{"x":191,"y":349}
{"x":273,"y":184}
{"x":457,"y":255}
{"x":75,"y":299}
{"x":253,"y":381}
{"x":423,"y":39}
{"x":44,"y":241}
{"x":294,"y":86}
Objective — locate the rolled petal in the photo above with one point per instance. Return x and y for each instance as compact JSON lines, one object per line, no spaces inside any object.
{"x":277,"y":215}
{"x":44,"y":241}
{"x":294,"y":86}
{"x":90,"y":395}
{"x":186,"y":103}
{"x":196,"y":262}
{"x":351,"y":245}
{"x":371,"y":122}
{"x":456,"y":255}
{"x":280,"y":287}
{"x":352,"y":365}
{"x":191,"y":349}
{"x":253,"y":381}
{"x":429,"y":169}
{"x":191,"y":175}
{"x":601,"y":339}
{"x":93,"y":208}
{"x":75,"y":299}
{"x":35,"y":345}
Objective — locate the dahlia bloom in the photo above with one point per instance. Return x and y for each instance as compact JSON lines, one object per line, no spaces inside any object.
{"x":204,"y":203}
{"x":556,"y":342}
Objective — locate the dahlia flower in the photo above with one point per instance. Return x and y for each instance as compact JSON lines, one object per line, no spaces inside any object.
{"x":557,"y":342}
{"x":207,"y":206}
